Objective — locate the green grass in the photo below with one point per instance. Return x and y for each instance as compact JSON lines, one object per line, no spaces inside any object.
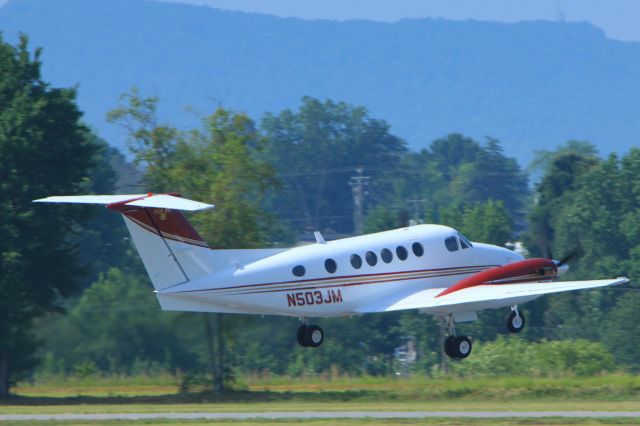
{"x":263,"y":394}
{"x":610,"y":387}
{"x":358,"y":422}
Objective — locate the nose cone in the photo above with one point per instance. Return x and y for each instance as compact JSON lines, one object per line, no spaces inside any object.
{"x":563,"y":268}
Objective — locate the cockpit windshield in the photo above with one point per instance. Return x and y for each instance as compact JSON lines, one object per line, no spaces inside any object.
{"x":464,"y":243}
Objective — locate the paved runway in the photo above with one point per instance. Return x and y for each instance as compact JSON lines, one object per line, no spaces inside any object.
{"x":321,"y":415}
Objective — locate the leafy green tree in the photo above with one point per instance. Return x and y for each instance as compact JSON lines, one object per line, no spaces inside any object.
{"x":488,"y":222}
{"x":457,"y":170}
{"x":44,"y":150}
{"x":219,"y":164}
{"x":592,"y":204}
{"x":152,"y":143}
{"x":116,"y":324}
{"x":382,"y":218}
{"x":316,"y":150}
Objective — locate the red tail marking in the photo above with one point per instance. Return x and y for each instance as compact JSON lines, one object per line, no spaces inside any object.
{"x":167,"y":223}
{"x":528,"y":267}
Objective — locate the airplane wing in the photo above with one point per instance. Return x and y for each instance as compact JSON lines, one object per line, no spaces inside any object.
{"x":489,"y":296}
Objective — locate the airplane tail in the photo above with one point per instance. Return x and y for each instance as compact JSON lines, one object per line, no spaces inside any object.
{"x":171,"y":249}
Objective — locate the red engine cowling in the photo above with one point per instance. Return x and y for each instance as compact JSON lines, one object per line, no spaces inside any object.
{"x":529,"y":270}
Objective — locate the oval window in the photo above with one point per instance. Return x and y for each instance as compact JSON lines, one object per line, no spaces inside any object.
{"x":356,"y":261}
{"x":371,"y":258}
{"x":330,"y":265}
{"x":386,"y":255}
{"x":417,"y":248}
{"x":298,"y":271}
{"x":401,"y":252}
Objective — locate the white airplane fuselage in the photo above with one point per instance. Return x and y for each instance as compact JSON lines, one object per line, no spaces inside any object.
{"x":427,"y":267}
{"x":269,"y":286}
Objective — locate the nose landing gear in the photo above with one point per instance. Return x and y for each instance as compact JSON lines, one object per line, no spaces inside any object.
{"x":310,"y":336}
{"x":456,"y":346}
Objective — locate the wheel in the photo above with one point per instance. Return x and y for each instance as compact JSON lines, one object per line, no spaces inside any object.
{"x":515,"y":322}
{"x":302,"y":331}
{"x":448,"y":346}
{"x":314,"y":336}
{"x":462,"y":346}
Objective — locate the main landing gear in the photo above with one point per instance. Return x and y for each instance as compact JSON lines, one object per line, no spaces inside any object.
{"x":515,"y":320}
{"x":456,"y":346}
{"x":310,"y":336}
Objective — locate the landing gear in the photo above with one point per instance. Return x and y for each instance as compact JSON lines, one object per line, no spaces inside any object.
{"x":515,"y":320}
{"x":456,"y":346}
{"x":310,"y":336}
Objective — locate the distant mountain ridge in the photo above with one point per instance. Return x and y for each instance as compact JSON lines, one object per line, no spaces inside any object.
{"x":530,"y":84}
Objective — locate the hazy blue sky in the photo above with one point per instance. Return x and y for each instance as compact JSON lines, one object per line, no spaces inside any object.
{"x":620,"y":19}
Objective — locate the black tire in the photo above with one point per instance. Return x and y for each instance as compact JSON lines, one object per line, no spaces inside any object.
{"x":462,"y":346}
{"x":448,"y":347}
{"x":314,"y":336}
{"x":302,"y":332}
{"x":514,"y":324}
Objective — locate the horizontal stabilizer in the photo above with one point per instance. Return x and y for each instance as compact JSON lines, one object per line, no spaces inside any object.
{"x":162,"y":201}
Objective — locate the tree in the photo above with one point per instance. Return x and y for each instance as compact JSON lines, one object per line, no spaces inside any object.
{"x":219,"y":164}
{"x":487,"y":222}
{"x":457,"y":170}
{"x":116,"y":325}
{"x":44,"y":150}
{"x":316,"y":150}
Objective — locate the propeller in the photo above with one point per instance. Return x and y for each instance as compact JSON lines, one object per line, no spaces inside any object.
{"x":562,"y":264}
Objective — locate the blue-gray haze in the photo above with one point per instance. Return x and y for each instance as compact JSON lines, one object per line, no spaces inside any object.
{"x":530,"y":84}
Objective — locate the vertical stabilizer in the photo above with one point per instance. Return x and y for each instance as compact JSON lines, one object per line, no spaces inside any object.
{"x":170,"y":248}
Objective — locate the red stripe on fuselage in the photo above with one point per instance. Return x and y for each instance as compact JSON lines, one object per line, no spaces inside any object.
{"x":255,"y":288}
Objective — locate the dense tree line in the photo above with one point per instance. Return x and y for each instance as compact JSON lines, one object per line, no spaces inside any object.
{"x":273,"y":182}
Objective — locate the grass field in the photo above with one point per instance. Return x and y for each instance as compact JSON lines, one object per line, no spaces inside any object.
{"x":362,"y":422}
{"x":615,"y":392}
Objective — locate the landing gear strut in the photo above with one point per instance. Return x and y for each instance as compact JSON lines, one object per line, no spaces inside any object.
{"x":310,"y":335}
{"x":456,"y":346}
{"x":515,"y":320}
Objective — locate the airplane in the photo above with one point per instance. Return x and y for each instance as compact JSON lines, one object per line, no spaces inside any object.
{"x":431,"y":268}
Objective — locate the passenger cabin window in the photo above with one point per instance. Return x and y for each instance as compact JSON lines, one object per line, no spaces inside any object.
{"x":330,"y":265}
{"x":401,"y":252}
{"x":298,"y":271}
{"x":371,"y":258}
{"x":464,"y":242}
{"x":386,"y":255}
{"x":417,"y":248}
{"x":356,"y":261}
{"x":451,"y":243}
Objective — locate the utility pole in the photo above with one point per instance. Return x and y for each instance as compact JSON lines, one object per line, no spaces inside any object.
{"x":358,"y":184}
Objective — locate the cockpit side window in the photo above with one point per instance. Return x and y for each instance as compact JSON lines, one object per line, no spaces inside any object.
{"x":451,"y":243}
{"x":464,"y":242}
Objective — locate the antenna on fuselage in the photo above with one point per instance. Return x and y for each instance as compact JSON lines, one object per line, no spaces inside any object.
{"x":319,"y":238}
